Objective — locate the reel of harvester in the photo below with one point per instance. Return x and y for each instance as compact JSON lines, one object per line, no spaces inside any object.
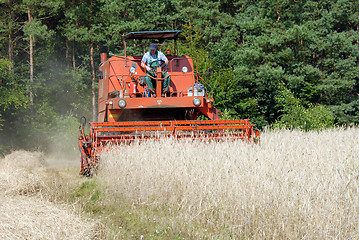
{"x":108,"y":134}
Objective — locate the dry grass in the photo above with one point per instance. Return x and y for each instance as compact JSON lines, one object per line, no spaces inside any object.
{"x":21,"y":172}
{"x":24,"y":217}
{"x":26,"y":212}
{"x":293,"y":185}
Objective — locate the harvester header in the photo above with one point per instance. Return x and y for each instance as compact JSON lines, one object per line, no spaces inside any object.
{"x":148,"y":100}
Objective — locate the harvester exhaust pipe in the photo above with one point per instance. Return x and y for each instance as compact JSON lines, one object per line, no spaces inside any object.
{"x":103,"y":57}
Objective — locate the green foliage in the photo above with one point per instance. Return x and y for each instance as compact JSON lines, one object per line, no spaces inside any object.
{"x":295,"y":115}
{"x":37,"y":29}
{"x":56,"y":134}
{"x":310,"y":46}
{"x":194,"y":50}
{"x":226,"y":93}
{"x":12,"y":94}
{"x":65,"y":97}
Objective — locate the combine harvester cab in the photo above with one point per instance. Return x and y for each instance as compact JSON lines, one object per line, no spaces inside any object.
{"x":127,"y":111}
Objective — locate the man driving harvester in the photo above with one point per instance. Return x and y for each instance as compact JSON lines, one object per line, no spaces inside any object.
{"x":150,"y":61}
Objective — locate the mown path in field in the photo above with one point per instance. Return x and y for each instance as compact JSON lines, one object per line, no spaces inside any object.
{"x":30,"y":208}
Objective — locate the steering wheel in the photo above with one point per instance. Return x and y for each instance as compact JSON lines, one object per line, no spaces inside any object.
{"x":160,"y":61}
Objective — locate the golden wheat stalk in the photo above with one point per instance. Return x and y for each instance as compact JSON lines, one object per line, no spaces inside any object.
{"x":293,"y":185}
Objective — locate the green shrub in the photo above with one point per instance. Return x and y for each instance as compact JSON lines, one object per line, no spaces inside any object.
{"x":295,"y":115}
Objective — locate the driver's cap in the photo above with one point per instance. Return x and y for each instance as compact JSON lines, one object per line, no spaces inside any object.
{"x":153,"y":46}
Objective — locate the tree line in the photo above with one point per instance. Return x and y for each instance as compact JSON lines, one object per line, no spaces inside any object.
{"x":281,"y":63}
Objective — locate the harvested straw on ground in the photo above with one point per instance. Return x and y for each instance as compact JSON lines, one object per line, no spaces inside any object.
{"x":24,"y":211}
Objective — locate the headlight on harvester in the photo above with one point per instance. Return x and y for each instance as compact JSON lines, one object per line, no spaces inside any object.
{"x":184,"y":69}
{"x":132,"y":70}
{"x":122,"y":103}
{"x":196,"y":101}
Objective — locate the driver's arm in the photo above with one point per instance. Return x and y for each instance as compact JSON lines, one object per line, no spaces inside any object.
{"x":143,"y":63}
{"x":145,"y":66}
{"x":164,"y":58}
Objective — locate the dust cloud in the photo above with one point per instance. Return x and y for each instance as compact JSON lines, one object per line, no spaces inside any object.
{"x":58,"y":162}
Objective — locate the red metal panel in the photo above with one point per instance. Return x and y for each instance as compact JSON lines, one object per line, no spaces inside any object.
{"x":159,"y":102}
{"x":170,"y":123}
{"x":172,"y":128}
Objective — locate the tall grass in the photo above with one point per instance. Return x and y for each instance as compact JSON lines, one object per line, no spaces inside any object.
{"x":294,"y":185}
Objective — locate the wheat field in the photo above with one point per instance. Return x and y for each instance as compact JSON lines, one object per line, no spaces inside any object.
{"x":293,"y":185}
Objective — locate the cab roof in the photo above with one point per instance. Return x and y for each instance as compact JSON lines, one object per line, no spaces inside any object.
{"x":153,"y":35}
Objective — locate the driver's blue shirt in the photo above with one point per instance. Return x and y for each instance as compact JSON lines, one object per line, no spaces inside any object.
{"x":148,"y":58}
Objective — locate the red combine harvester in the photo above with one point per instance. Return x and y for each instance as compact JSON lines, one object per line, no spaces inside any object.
{"x":128,"y":111}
